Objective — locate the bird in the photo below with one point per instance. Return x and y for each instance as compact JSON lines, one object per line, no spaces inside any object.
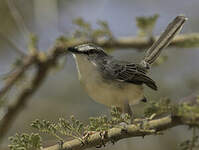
{"x":118,"y":83}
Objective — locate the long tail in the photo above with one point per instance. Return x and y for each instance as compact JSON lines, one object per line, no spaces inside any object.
{"x":164,"y":40}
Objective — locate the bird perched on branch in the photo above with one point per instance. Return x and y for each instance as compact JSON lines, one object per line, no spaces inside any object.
{"x":119,"y":83}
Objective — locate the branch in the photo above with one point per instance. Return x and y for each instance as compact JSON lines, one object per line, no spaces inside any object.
{"x":140,"y":43}
{"x":42,"y":69}
{"x":48,"y":62}
{"x":28,"y":61}
{"x":134,"y":130}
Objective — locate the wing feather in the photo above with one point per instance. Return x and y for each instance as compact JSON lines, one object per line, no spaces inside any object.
{"x":127,"y":72}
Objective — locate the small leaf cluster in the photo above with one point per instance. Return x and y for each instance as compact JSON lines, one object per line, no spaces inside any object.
{"x":188,"y":110}
{"x":85,"y":31}
{"x":66,"y":128}
{"x":25,"y":142}
{"x":44,"y":126}
{"x":72,"y":128}
{"x":117,"y":117}
{"x":98,"y":124}
{"x":146,"y":24}
{"x":162,"y":106}
{"x":102,"y":123}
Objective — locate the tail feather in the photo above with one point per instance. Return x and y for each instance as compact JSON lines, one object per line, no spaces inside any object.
{"x":164,"y":40}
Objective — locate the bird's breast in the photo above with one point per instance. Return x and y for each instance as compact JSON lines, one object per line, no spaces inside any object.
{"x":108,"y":92}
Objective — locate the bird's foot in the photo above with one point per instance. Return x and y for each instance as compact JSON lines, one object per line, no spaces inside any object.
{"x":104,"y":136}
{"x":61,"y":143}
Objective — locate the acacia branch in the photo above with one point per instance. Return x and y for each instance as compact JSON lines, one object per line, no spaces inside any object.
{"x":28,"y":61}
{"x":44,"y":65}
{"x":134,"y":130}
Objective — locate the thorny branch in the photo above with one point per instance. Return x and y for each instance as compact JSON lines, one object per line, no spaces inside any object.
{"x":152,"y":127}
{"x":43,"y":65}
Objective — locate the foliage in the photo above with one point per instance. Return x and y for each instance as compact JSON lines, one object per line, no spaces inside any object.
{"x":146,"y":25}
{"x":67,"y":128}
{"x":25,"y":142}
{"x":117,"y":117}
{"x":76,"y":129}
{"x":98,"y":124}
{"x":85,"y":31}
{"x":48,"y":127}
{"x":72,"y":128}
{"x":162,"y":106}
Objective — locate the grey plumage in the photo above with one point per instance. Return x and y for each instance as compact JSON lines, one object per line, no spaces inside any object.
{"x":113,"y":69}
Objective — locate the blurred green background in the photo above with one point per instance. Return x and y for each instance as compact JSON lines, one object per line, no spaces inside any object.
{"x":61,"y":95}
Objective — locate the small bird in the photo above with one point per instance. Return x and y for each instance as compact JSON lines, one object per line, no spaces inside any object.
{"x":119,"y":83}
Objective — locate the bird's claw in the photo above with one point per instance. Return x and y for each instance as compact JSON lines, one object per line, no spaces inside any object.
{"x":103,"y":136}
{"x":60,"y":143}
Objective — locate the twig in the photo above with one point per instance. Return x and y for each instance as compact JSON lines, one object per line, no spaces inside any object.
{"x":133,"y":130}
{"x":28,"y":61}
{"x":17,"y":17}
{"x":13,"y":45}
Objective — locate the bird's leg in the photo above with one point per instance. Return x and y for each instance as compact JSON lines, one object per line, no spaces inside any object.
{"x":127,"y":109}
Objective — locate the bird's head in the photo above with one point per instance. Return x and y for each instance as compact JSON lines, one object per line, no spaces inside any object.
{"x":87,"y":50}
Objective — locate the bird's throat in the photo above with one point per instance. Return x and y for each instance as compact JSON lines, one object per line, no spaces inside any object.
{"x":86,"y":68}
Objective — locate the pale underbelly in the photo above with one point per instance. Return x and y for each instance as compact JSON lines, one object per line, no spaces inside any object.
{"x":114,"y":94}
{"x":99,"y":89}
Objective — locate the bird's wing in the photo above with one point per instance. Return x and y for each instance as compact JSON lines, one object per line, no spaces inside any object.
{"x":127,"y":72}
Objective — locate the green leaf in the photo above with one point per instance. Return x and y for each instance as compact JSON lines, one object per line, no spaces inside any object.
{"x":25,"y":142}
